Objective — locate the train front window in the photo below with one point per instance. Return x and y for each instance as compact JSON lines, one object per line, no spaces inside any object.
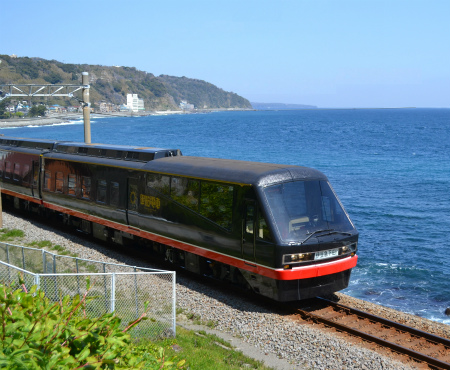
{"x":300,"y":208}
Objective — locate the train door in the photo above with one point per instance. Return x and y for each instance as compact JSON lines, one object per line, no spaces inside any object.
{"x":248,"y":231}
{"x":132,"y":202}
{"x":34,"y":183}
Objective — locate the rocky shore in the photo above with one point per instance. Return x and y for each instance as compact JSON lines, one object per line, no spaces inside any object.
{"x":266,"y":333}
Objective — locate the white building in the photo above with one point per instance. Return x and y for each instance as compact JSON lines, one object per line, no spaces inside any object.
{"x":184,"y":105}
{"x":134,"y":103}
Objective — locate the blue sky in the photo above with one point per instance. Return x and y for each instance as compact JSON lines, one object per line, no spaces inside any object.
{"x":328,"y":53}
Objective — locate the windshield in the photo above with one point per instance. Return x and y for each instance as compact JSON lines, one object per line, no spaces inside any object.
{"x":300,"y":208}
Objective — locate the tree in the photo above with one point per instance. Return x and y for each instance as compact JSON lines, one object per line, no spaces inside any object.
{"x":3,"y":104}
{"x":53,"y":78}
{"x":37,"y":110}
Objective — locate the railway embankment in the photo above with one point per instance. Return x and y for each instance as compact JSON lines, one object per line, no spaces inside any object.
{"x":256,"y":329}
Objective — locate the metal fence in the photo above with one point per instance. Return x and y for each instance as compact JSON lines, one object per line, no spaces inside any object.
{"x":115,"y":288}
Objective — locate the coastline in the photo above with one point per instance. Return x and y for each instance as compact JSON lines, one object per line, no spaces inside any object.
{"x":41,"y":121}
{"x":67,"y":117}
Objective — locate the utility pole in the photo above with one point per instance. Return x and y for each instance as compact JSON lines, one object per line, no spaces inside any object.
{"x":86,"y":107}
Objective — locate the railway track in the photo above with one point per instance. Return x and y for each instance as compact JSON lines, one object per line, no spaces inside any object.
{"x":422,"y":347}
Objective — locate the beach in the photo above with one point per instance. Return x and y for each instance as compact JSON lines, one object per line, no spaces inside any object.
{"x":40,"y":121}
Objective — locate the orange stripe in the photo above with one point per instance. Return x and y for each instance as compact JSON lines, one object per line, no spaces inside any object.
{"x":21,"y":196}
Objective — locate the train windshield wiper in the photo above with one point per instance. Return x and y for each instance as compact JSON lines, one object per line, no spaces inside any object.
{"x":328,"y":231}
{"x":317,"y":232}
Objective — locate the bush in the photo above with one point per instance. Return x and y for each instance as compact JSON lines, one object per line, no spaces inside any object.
{"x":37,"y":333}
{"x":37,"y":110}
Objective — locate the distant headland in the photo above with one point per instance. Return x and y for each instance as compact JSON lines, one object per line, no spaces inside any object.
{"x":280,"y":106}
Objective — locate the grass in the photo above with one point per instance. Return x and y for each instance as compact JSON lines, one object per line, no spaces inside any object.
{"x":207,"y":352}
{"x":8,"y":235}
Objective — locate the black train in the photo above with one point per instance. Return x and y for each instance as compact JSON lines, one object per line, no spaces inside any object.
{"x":278,"y":229}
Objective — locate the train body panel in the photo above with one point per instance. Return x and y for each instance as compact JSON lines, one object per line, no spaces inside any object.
{"x":278,"y":229}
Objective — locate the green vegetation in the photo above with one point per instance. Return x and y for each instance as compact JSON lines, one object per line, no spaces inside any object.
{"x":37,"y":110}
{"x":207,"y":352}
{"x":37,"y":333}
{"x":8,"y":235}
{"x":3,"y":104}
{"x":112,"y":84}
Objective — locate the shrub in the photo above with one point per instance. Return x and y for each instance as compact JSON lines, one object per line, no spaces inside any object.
{"x":37,"y":333}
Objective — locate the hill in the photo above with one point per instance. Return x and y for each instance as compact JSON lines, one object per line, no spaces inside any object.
{"x":113,"y":83}
{"x":280,"y":106}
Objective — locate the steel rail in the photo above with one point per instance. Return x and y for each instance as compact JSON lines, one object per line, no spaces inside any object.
{"x":393,"y":346}
{"x":394,"y":324}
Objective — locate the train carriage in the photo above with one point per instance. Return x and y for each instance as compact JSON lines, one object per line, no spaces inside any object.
{"x":277,"y":229}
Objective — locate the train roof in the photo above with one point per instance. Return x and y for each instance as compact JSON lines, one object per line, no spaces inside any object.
{"x":125,"y":152}
{"x":22,"y":142}
{"x":235,"y":171}
{"x":120,"y":152}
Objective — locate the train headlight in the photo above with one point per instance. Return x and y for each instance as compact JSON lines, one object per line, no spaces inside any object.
{"x":350,"y":248}
{"x":297,"y":257}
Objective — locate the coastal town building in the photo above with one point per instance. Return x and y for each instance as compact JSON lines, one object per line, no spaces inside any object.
{"x":184,"y":105}
{"x":106,"y":107}
{"x":134,"y":103}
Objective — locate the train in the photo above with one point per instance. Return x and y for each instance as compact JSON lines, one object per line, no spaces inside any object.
{"x":277,"y":230}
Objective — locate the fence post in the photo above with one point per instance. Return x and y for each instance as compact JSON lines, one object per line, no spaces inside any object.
{"x":113,"y":292}
{"x":78,"y":277}
{"x":136,"y":293}
{"x":174,"y":310}
{"x":37,"y":281}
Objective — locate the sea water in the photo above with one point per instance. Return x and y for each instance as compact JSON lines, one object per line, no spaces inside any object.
{"x":390,"y":168}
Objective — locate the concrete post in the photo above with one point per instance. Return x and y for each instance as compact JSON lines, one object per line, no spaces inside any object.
{"x":86,"y":108}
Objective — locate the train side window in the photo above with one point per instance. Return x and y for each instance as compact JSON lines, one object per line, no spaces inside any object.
{"x":249,"y":218}
{"x":7,"y":170}
{"x":72,"y":184}
{"x":263,"y":229}
{"x":114,"y":194}
{"x":216,"y":203}
{"x":47,"y":180}
{"x":26,"y":174}
{"x":85,"y":187}
{"x":101,"y":191}
{"x":159,"y":183}
{"x":185,"y":191}
{"x":59,"y":182}
{"x":16,"y":174}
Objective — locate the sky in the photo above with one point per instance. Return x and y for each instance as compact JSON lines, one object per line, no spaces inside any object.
{"x":327,"y":53}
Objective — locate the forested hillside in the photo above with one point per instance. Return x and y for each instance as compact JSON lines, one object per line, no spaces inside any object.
{"x":113,"y":83}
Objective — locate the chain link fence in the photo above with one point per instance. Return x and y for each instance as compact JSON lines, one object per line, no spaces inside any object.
{"x":115,"y":288}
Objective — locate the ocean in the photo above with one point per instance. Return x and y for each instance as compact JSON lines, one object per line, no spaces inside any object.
{"x":390,"y":168}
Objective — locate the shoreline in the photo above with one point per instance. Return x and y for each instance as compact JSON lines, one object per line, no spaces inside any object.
{"x":60,"y":118}
{"x":67,"y":117}
{"x":42,"y":121}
